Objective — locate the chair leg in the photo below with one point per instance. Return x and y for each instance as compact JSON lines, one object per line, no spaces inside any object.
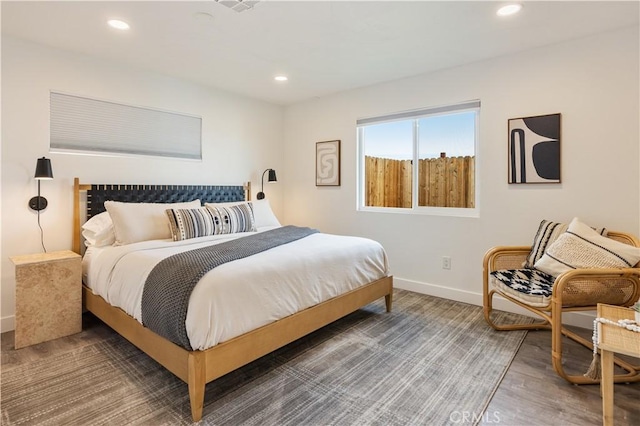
{"x":557,"y":331}
{"x":632,"y":373}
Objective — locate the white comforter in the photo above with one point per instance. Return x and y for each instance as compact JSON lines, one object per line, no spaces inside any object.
{"x":245,"y":294}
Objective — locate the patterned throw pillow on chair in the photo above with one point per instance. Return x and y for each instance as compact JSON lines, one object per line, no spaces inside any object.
{"x":528,"y":281}
{"x":548,"y":233}
{"x":529,"y":286}
{"x":582,"y":247}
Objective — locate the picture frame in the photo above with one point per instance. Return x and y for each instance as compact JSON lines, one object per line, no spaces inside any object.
{"x":328,"y":163}
{"x":533,"y":145}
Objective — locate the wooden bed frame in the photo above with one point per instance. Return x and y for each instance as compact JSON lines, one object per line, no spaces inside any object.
{"x":197,"y":368}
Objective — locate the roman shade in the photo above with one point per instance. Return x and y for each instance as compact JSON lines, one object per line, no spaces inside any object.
{"x":87,"y":125}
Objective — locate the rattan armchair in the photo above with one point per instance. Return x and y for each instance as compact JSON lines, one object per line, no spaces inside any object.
{"x":576,"y":290}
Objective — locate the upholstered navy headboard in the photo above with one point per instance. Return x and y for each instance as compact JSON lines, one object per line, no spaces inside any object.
{"x":98,"y":194}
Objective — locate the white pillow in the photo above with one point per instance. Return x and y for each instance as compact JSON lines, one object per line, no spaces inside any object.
{"x":262,"y":212}
{"x":98,"y":231}
{"x":548,"y":233}
{"x":134,"y":222}
{"x":582,"y":247}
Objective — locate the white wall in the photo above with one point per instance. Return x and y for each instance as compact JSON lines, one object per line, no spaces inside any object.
{"x":592,"y":82}
{"x":241,"y":137}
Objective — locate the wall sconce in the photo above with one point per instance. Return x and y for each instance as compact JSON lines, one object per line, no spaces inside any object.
{"x":43,"y":172}
{"x":272,"y":178}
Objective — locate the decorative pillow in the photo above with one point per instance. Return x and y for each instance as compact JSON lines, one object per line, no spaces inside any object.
{"x":98,"y":231}
{"x":262,"y":212}
{"x":529,"y":286}
{"x":233,"y":219}
{"x":547,"y":233}
{"x":193,"y":223}
{"x":134,"y":222}
{"x":528,"y":281}
{"x":582,"y":247}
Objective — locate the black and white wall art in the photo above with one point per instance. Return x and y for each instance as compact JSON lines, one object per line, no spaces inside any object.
{"x":534,"y":149}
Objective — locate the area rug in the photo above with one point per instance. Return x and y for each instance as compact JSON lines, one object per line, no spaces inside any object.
{"x":428,"y":362}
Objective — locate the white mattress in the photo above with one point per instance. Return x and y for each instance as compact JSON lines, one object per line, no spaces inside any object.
{"x":245,"y":294}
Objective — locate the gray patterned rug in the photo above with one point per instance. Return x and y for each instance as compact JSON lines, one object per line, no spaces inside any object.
{"x":426,"y":363}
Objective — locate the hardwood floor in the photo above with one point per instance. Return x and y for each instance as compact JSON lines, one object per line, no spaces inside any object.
{"x":531,"y":393}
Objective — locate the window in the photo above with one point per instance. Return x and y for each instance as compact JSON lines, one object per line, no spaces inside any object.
{"x":87,"y":125}
{"x":419,"y":160}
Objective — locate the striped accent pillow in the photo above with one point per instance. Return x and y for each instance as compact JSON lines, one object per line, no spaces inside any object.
{"x":205,"y":221}
{"x":548,"y":233}
{"x":582,"y":247}
{"x":191,"y":223}
{"x":232,"y":219}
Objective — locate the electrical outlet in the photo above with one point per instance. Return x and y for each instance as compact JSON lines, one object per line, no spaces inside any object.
{"x":446,"y":262}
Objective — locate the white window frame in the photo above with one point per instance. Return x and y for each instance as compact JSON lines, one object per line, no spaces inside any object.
{"x":416,"y":115}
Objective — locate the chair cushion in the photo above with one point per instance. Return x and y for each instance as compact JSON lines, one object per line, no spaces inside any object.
{"x":529,"y":286}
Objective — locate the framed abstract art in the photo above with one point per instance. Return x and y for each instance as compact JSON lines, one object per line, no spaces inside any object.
{"x":534,"y":149}
{"x":328,"y":163}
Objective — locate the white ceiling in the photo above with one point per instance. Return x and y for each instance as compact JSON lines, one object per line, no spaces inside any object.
{"x":323,"y":46}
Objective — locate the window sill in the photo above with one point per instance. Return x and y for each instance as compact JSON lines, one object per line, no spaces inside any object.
{"x":425,"y":211}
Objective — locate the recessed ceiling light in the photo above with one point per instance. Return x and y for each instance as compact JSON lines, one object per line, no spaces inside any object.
{"x":118,"y":24}
{"x":509,"y":9}
{"x":281,"y":78}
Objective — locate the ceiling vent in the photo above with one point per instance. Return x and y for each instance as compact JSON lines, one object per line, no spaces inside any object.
{"x":239,"y":5}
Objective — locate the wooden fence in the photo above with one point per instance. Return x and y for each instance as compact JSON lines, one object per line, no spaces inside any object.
{"x":442,"y":182}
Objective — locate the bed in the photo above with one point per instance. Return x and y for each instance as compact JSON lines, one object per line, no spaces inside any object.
{"x":335,"y":288}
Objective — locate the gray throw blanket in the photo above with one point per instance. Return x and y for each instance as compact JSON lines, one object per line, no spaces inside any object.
{"x":166,"y":292}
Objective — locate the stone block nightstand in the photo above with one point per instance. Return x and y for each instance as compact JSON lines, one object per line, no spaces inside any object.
{"x":48,"y":296}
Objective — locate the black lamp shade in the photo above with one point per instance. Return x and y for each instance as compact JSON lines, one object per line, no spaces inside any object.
{"x":44,"y":170}
{"x":270,"y":178}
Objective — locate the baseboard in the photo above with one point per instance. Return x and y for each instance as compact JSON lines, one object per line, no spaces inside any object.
{"x":7,"y":323}
{"x":579,"y":319}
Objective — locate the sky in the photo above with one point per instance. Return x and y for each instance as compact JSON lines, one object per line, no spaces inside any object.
{"x":453,"y":134}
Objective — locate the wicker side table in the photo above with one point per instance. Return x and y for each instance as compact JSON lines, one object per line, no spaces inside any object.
{"x":613,"y":339}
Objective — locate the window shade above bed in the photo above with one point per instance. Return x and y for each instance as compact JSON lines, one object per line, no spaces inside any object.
{"x":93,"y":126}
